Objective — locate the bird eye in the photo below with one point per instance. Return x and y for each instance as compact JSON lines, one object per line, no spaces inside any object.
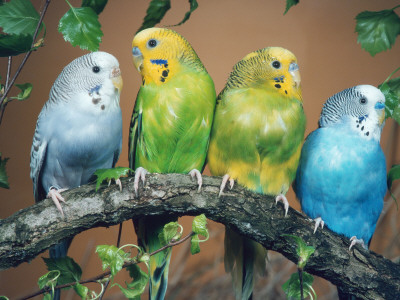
{"x":96,"y":69}
{"x":276,"y":64}
{"x":152,"y":43}
{"x":363,"y":100}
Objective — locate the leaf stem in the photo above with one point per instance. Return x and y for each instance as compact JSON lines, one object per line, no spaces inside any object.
{"x":107,"y":273}
{"x":391,"y":74}
{"x":4,"y":103}
{"x":397,"y":6}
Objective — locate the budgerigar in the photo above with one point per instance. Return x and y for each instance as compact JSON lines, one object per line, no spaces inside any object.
{"x":78,"y":130}
{"x":170,"y":126}
{"x":341,"y":179}
{"x":256,"y":140}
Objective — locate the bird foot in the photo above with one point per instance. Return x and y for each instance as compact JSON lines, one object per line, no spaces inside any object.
{"x":223,"y":183}
{"x":140,"y":173}
{"x":55,"y":195}
{"x":285,"y":202}
{"x":354,"y":240}
{"x":318,"y":221}
{"x":196,"y":174}
{"x":117,"y":182}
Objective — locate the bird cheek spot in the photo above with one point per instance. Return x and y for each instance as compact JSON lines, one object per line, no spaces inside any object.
{"x":96,"y":100}
{"x":278,"y":86}
{"x":286,"y":92}
{"x":103,"y":107}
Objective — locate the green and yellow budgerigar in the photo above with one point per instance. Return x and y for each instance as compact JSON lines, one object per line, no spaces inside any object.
{"x":170,"y":126}
{"x":256,"y":140}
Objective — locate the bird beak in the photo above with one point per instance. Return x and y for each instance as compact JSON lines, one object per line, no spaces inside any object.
{"x":116,"y":78}
{"x":380,"y":110}
{"x":137,"y":58}
{"x":294,"y":71}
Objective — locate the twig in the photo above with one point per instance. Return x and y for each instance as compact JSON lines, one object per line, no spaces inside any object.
{"x":4,"y":103}
{"x":105,"y":274}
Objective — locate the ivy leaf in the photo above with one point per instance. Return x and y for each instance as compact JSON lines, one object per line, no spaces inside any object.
{"x":109,"y":174}
{"x":292,"y":287}
{"x":155,"y":12}
{"x":111,"y":257}
{"x":169,"y":232}
{"x":81,"y":27}
{"x":70,"y":271}
{"x":199,"y":227}
{"x":96,"y":5}
{"x":4,"y":298}
{"x":136,"y":288}
{"x":392,"y":105}
{"x":3,"y":174}
{"x":303,"y":251}
{"x":49,"y":279}
{"x":194,"y":244}
{"x":377,"y":30}
{"x":26,"y":90}
{"x":11,"y":45}
{"x":81,"y":290}
{"x":193,"y":7}
{"x":393,"y":175}
{"x":18,"y":17}
{"x":289,"y":4}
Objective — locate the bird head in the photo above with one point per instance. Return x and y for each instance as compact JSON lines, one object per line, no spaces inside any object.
{"x":272,"y":68}
{"x":92,"y":82}
{"x":159,"y":53}
{"x":361,"y":107}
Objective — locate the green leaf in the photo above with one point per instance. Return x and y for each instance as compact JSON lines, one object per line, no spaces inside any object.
{"x":289,"y":4}
{"x":11,"y":45}
{"x":81,"y":27}
{"x":81,"y":290}
{"x":194,"y":244}
{"x":169,"y":232}
{"x":303,"y":251}
{"x":193,"y":7}
{"x":18,"y":17}
{"x":377,"y":30}
{"x":26,"y":90}
{"x":155,"y":12}
{"x":70,"y":271}
{"x":4,"y":298}
{"x":392,"y":105}
{"x":49,"y":279}
{"x":109,"y":174}
{"x":3,"y":174}
{"x":48,"y":296}
{"x":199,"y":225}
{"x":292,"y":286}
{"x":394,"y":174}
{"x":137,"y":287}
{"x":111,"y":257}
{"x":96,"y":5}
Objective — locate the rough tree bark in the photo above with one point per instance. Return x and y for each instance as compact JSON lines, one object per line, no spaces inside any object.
{"x":32,"y":230}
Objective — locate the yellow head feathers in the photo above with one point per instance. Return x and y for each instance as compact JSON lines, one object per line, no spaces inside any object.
{"x":159,"y":53}
{"x":273,"y":68}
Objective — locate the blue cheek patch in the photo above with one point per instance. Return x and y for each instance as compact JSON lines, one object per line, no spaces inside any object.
{"x":363,"y":118}
{"x":159,"y":61}
{"x":95,"y":89}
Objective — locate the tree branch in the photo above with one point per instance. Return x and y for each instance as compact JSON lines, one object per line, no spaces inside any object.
{"x":32,"y":230}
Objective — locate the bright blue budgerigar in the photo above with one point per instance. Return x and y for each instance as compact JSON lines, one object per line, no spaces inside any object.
{"x":341,"y":178}
{"x":79,"y":130}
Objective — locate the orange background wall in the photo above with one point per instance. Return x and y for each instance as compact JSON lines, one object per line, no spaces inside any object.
{"x":319,"y":32}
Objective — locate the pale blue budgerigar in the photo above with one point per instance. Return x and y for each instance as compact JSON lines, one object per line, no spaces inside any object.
{"x":341,"y":178}
{"x":79,"y":130}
